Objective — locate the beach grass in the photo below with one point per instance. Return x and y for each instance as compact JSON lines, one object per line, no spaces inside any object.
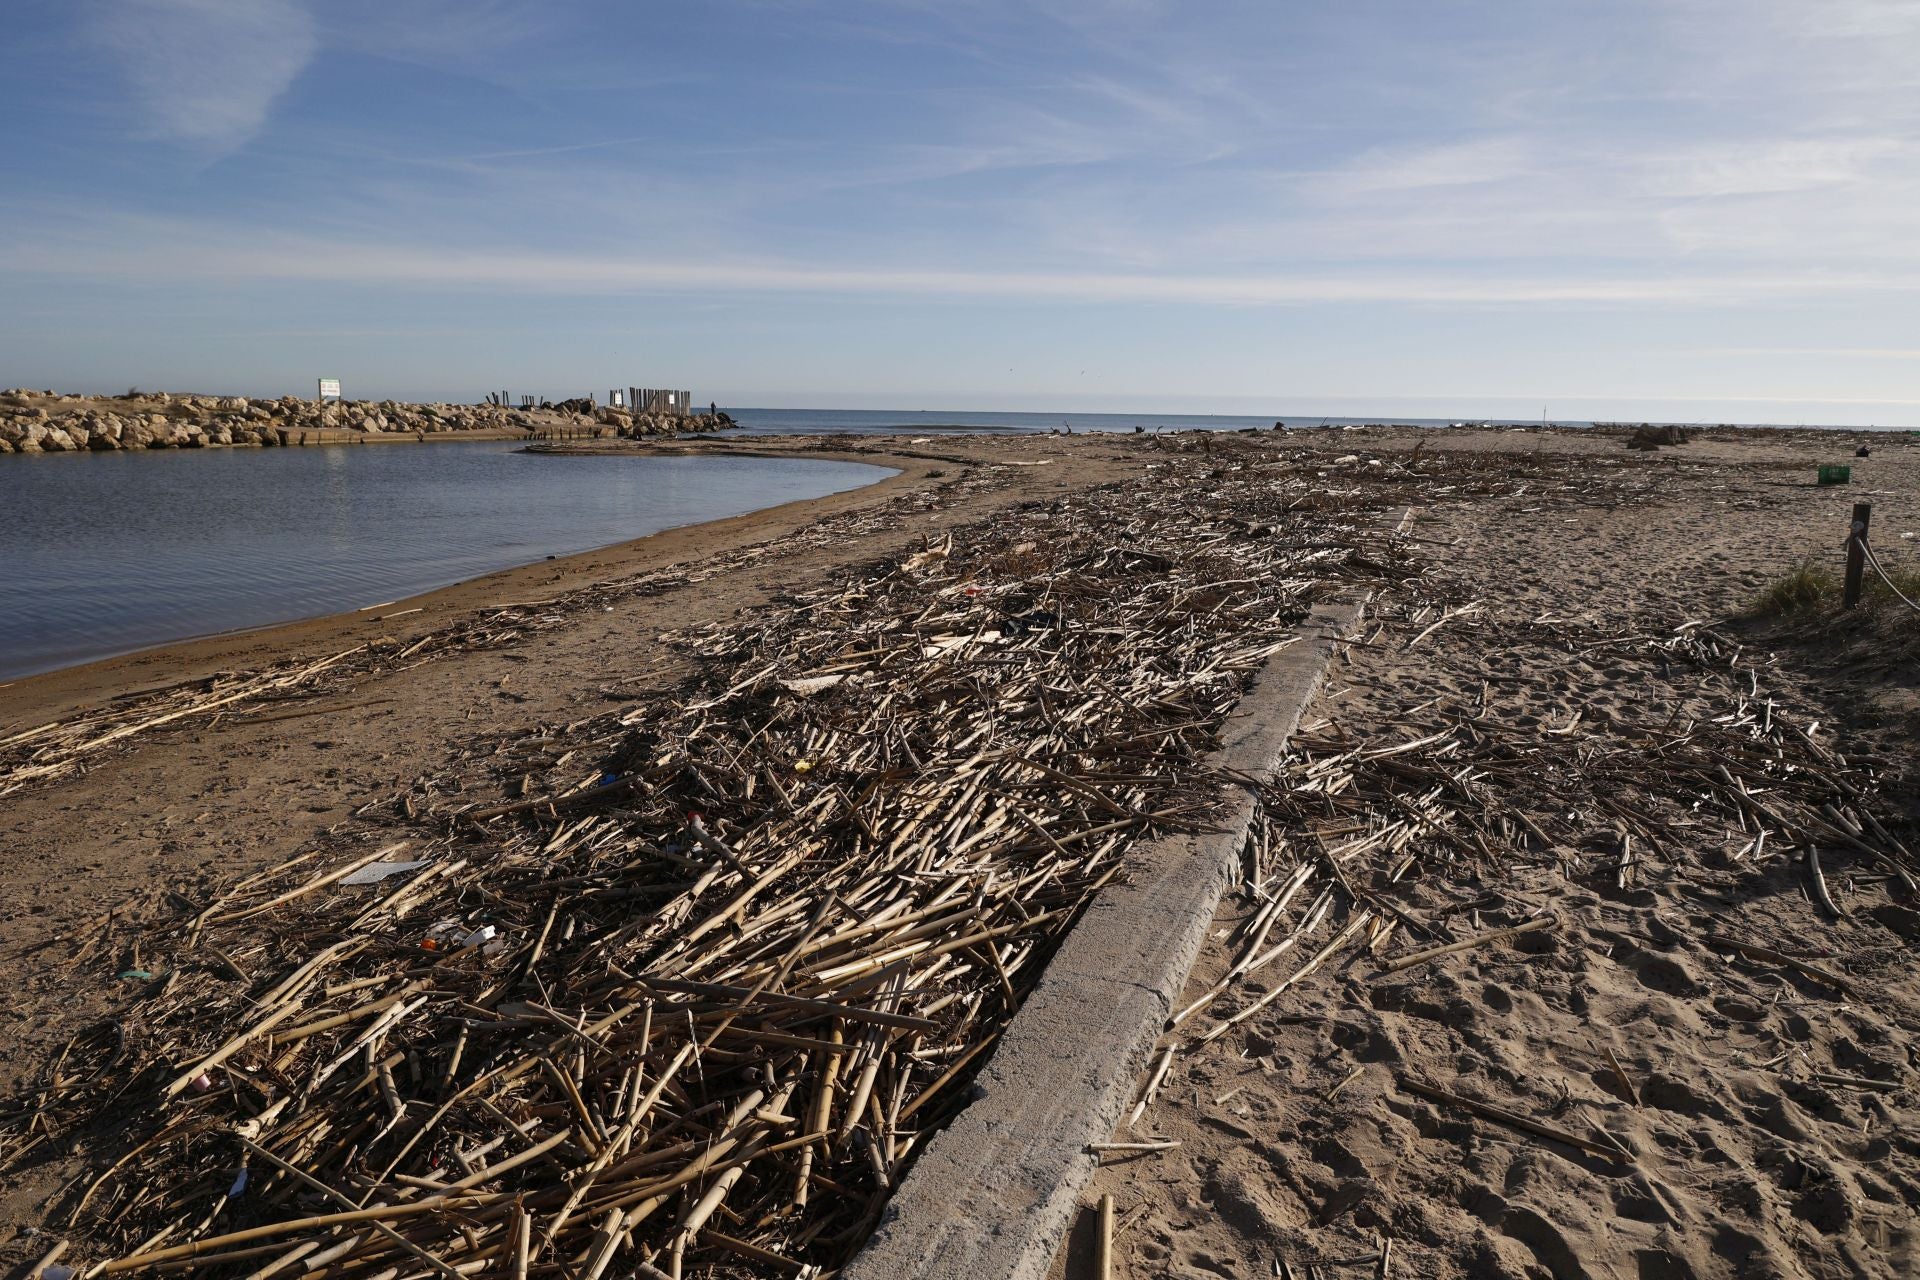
{"x":1808,"y":587}
{"x":1811,"y":588}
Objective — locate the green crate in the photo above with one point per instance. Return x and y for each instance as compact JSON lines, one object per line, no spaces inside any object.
{"x":1836,"y":475}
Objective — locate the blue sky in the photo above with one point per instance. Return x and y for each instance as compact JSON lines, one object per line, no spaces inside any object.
{"x":1686,"y":209}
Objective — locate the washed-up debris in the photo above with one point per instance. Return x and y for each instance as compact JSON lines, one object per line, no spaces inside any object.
{"x":705,"y":1014}
{"x":1348,"y":818}
{"x":375,"y":872}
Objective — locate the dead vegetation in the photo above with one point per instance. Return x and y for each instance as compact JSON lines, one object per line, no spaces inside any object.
{"x":684,"y":987}
{"x":1537,"y":972}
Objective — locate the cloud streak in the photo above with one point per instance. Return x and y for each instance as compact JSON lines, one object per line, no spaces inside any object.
{"x":146,"y":251}
{"x":205,"y":72}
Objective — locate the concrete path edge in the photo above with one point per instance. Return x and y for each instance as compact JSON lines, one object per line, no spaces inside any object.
{"x":994,"y":1195}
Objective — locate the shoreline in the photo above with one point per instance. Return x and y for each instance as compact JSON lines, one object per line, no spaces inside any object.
{"x":531,"y":678}
{"x":64,"y":690}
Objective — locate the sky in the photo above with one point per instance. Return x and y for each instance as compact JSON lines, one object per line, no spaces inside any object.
{"x":1689,"y":210}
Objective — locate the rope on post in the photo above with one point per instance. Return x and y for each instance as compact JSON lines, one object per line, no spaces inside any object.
{"x":1874,"y":560}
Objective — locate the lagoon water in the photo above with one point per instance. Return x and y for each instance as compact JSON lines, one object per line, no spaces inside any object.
{"x":105,"y":553}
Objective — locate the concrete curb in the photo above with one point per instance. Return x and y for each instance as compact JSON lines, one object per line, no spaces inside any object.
{"x":994,"y":1195}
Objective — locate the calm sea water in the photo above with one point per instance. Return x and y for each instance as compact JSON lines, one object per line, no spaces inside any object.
{"x":798,"y":422}
{"x":105,"y":553}
{"x":787,"y":422}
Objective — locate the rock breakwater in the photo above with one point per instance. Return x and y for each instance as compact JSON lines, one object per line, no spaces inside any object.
{"x":47,"y":422}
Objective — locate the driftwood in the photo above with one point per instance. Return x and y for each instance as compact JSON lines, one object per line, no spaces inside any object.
{"x":596,"y":1034}
{"x":694,"y":979}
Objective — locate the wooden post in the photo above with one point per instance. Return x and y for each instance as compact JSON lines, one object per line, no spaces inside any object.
{"x":1856,"y":553}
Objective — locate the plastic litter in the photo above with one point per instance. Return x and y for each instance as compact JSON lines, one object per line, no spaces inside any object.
{"x":451,"y":935}
{"x":136,"y":975}
{"x":239,"y":1185}
{"x":375,"y":872}
{"x":56,"y":1271}
{"x":807,"y":686}
{"x":202,"y":1083}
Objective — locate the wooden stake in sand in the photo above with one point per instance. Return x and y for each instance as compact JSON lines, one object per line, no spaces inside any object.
{"x":1103,"y":1240}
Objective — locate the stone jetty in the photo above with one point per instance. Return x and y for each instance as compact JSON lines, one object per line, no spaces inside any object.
{"x":48,"y":422}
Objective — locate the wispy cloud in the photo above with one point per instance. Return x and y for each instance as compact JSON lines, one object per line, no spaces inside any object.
{"x":147,"y":250}
{"x":1817,"y":353}
{"x":1773,"y":166}
{"x":470,"y":34}
{"x":1458,"y":164}
{"x":205,"y":72}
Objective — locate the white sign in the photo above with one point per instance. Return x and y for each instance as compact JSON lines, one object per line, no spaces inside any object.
{"x":329,"y":388}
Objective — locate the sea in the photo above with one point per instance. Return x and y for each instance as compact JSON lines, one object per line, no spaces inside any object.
{"x":877,"y":422}
{"x":891,"y":421}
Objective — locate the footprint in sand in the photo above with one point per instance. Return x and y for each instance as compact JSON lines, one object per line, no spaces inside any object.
{"x":1666,"y":975}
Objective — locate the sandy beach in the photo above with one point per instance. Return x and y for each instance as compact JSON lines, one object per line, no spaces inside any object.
{"x":1536,"y":688}
{"x":1566,"y":619}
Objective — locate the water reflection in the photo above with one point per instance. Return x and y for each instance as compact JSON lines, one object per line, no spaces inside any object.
{"x":103,"y":553}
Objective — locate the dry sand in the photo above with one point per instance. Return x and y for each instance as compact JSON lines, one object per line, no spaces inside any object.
{"x":1302,"y":1153}
{"x":1758,"y":1174}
